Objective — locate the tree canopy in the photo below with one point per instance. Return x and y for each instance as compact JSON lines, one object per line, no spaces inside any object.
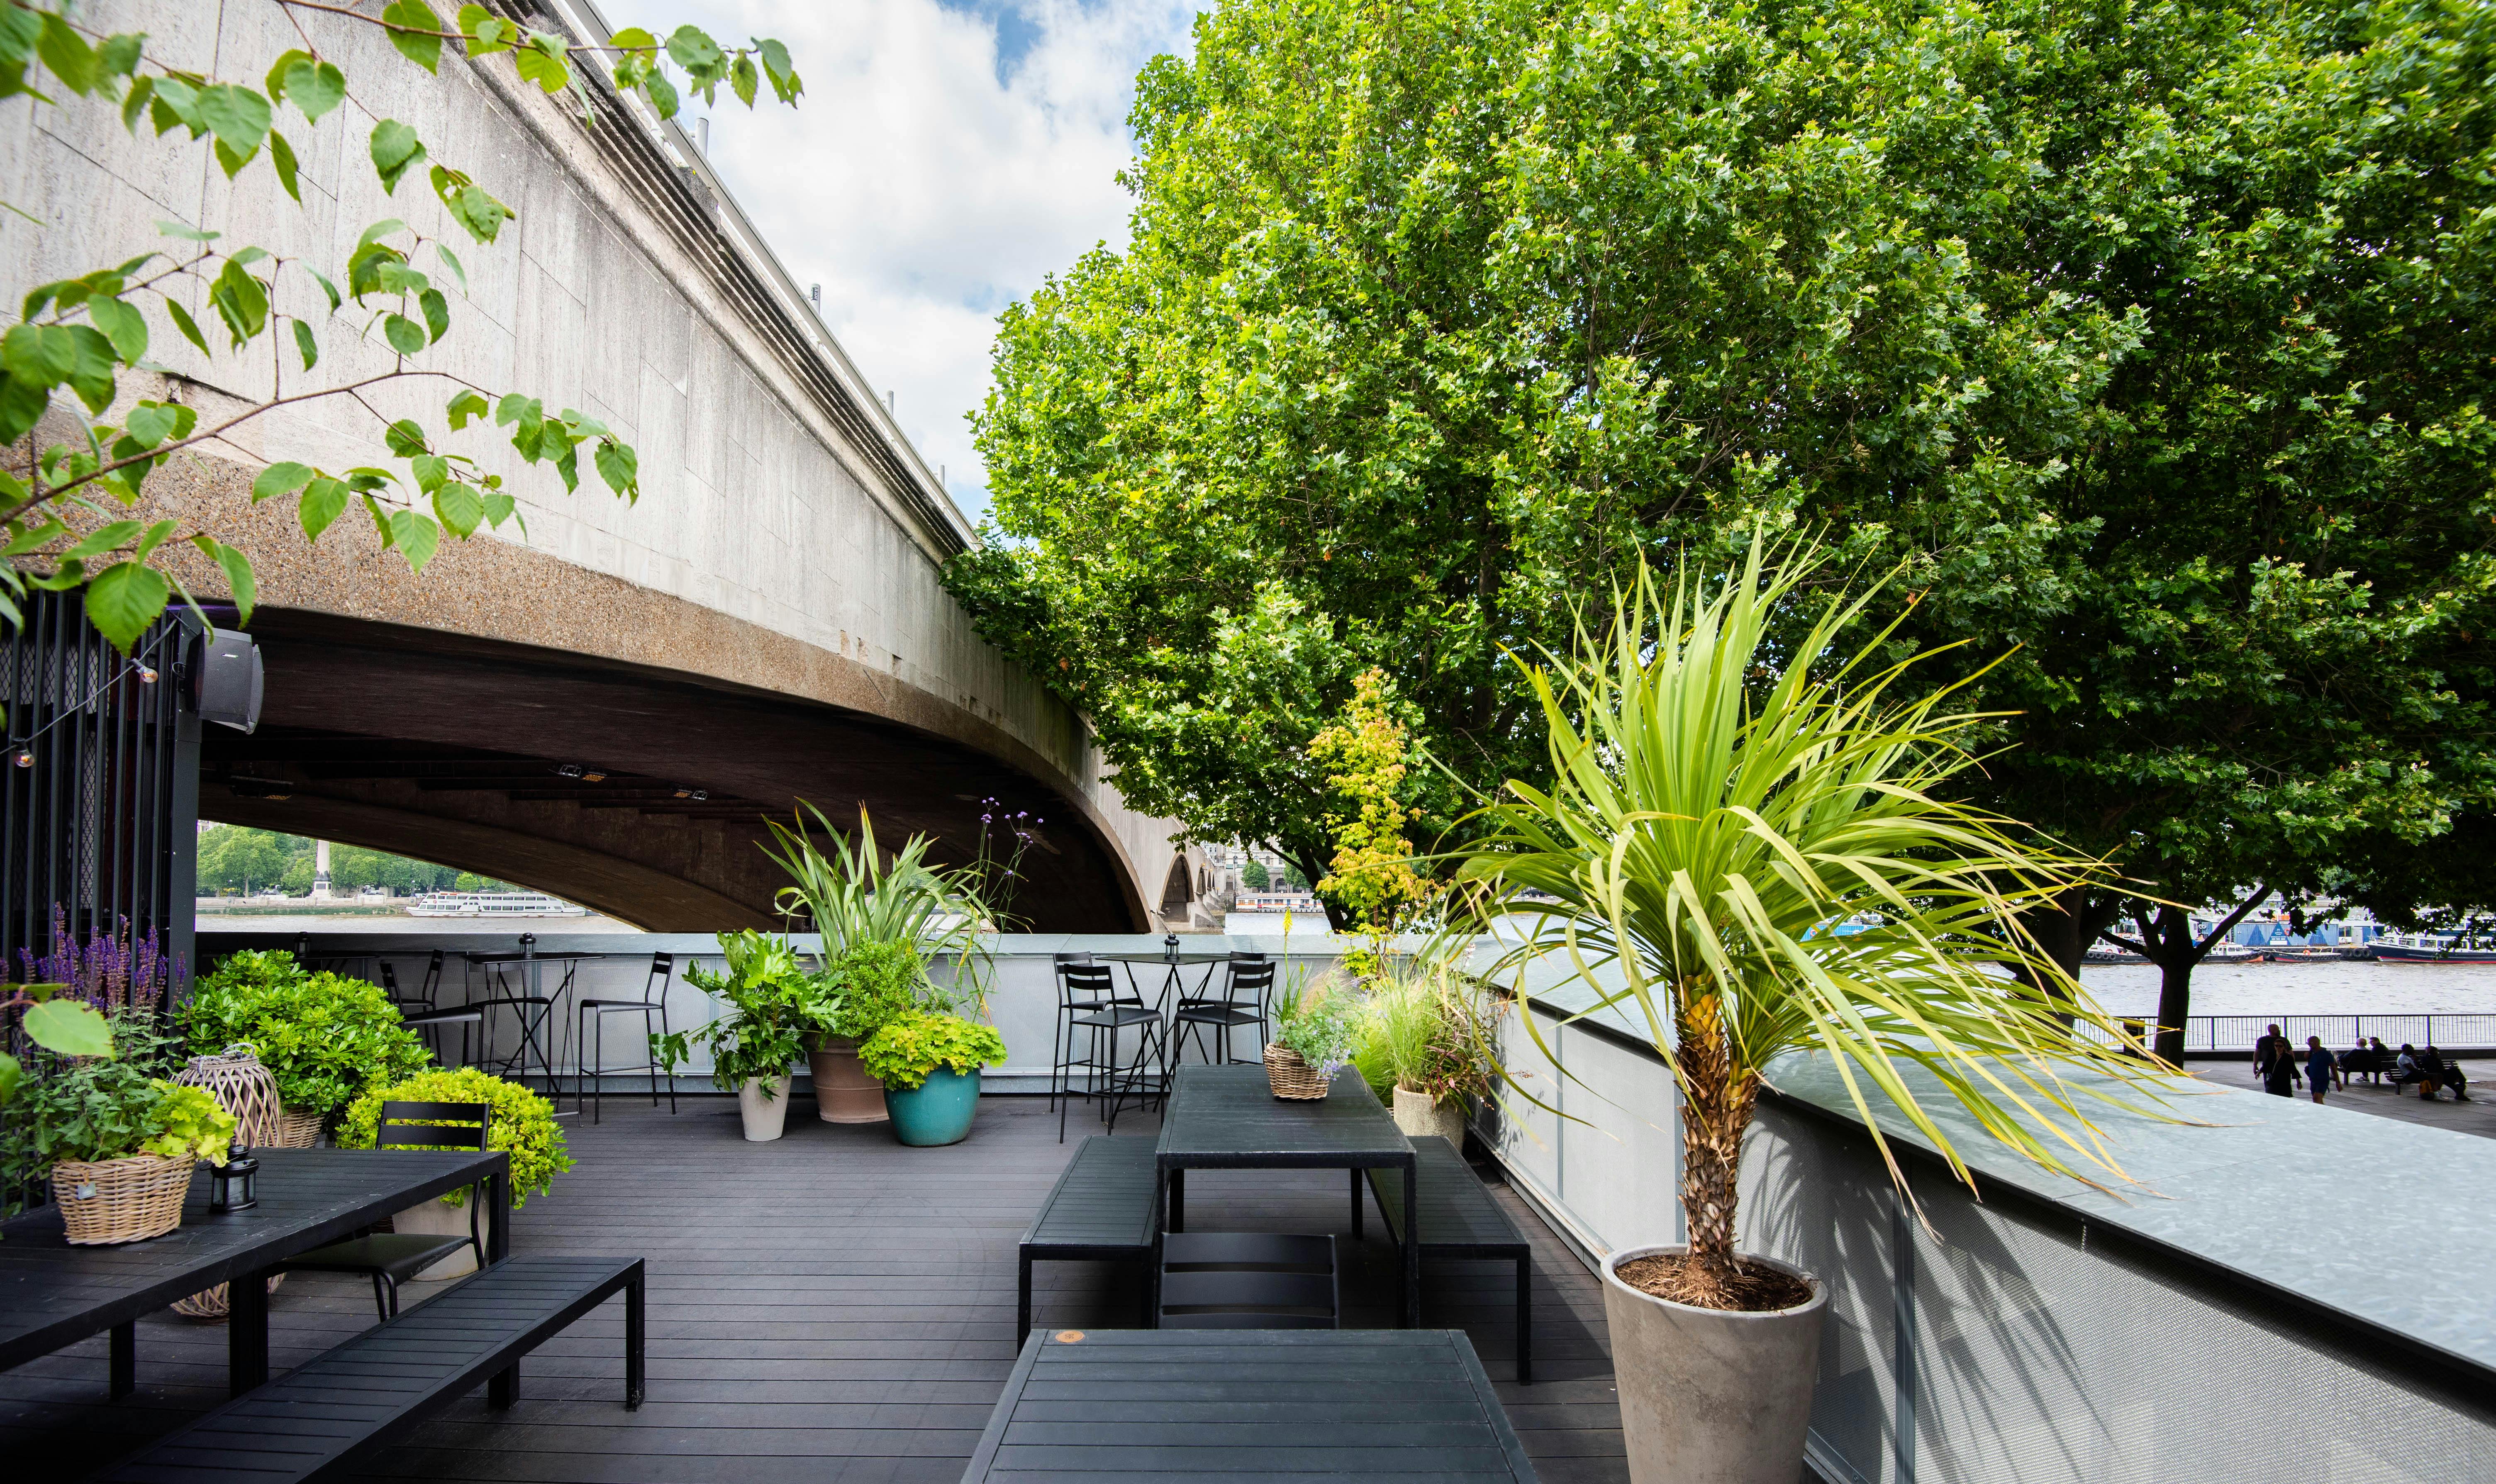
{"x":2151,"y":337}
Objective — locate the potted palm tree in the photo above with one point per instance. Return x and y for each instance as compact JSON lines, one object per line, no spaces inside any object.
{"x":1730,"y":786}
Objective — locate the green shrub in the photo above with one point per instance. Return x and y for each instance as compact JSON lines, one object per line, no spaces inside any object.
{"x":324,"y":1039}
{"x":1317,"y":1023}
{"x":870,"y":985}
{"x":523,"y":1127}
{"x":767,"y":998}
{"x":909,"y":1047}
{"x":103,"y":1109}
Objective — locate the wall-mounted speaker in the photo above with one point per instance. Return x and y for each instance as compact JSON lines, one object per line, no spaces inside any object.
{"x":226,"y":679}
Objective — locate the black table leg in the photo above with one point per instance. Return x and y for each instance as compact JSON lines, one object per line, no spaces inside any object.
{"x":498,"y":1198}
{"x":1412,"y":1299}
{"x":635,"y":1330}
{"x":125,"y":1359}
{"x":1356,"y":1204}
{"x":246,"y":1333}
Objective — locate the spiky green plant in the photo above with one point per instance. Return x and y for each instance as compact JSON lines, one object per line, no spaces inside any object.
{"x":856,"y":897}
{"x":1729,"y":787}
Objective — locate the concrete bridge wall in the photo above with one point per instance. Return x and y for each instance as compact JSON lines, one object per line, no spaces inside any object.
{"x":785,"y":550}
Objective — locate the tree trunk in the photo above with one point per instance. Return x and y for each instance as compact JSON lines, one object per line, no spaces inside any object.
{"x":2064,"y":929}
{"x":1716,"y":1103}
{"x":2174,"y":1003}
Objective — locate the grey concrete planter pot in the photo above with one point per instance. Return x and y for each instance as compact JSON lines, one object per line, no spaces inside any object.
{"x":1710,"y":1396}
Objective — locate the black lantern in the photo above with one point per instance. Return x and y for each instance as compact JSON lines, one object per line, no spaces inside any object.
{"x":234,"y":1185}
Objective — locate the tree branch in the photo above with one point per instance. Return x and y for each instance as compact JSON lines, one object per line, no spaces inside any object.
{"x":2261,"y":890}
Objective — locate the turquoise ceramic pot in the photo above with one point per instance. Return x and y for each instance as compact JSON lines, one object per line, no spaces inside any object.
{"x":938,"y":1111}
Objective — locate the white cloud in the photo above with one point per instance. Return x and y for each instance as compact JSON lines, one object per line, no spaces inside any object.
{"x":931,"y":174}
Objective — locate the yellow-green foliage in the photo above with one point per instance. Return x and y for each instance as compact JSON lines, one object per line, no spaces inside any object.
{"x":902,"y":1054}
{"x":194,"y":1123}
{"x":523,"y":1127}
{"x":1372,"y":873}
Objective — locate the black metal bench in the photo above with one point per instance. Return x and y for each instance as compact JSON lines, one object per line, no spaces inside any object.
{"x":1461,"y":1221}
{"x":1100,"y":1208}
{"x":326,"y":1419}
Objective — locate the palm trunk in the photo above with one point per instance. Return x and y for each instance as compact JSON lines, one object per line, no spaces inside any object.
{"x":1716,"y":1103}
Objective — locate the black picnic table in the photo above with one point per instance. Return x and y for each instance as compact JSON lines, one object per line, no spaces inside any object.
{"x":1353,"y":1404}
{"x":1227,"y":1118}
{"x":53,"y":1294}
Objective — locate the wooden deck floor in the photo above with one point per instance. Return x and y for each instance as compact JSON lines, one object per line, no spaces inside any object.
{"x":829,"y":1308}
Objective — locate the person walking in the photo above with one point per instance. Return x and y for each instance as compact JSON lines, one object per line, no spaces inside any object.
{"x":2268,"y":1052}
{"x":2320,"y":1068}
{"x":2279,"y":1073}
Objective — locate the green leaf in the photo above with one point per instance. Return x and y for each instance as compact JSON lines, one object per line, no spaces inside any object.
{"x":405,"y":438}
{"x":417,"y":16}
{"x":621,"y":467}
{"x":386,"y":227}
{"x":123,"y":599}
{"x":183,"y":321}
{"x":239,"y":115}
{"x":231,"y":160}
{"x":31,"y":538}
{"x":500,"y":508}
{"x":122,"y":324}
{"x":415,"y":536}
{"x":694,"y":50}
{"x":68,"y":55}
{"x":11,"y":1076}
{"x":41,"y":354}
{"x":405,"y":335}
{"x":451,"y":260}
{"x":327,"y":287}
{"x":460,"y":508}
{"x":437,"y":312}
{"x":242,"y":301}
{"x":305,"y":346}
{"x":662,"y":94}
{"x":68,"y":1027}
{"x":92,"y":378}
{"x":143,"y":90}
{"x":325,"y":499}
{"x":282,"y":479}
{"x":431,"y":470}
{"x":395,"y":147}
{"x":465,"y":407}
{"x":188,"y":233}
{"x":744,"y":80}
{"x":239,"y":577}
{"x":487,"y":33}
{"x":107,"y":538}
{"x":632,"y":39}
{"x":273,"y":81}
{"x":154,"y":539}
{"x":22,"y":404}
{"x":315,"y":87}
{"x":281,"y":156}
{"x":776,"y":66}
{"x":542,"y":62}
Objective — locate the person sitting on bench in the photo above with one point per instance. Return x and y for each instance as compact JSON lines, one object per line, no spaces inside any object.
{"x":2442,"y":1073}
{"x":2411,"y":1070}
{"x":2358,"y":1060}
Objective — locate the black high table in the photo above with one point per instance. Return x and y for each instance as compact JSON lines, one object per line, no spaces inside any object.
{"x":53,"y":1294}
{"x":1227,"y":1118}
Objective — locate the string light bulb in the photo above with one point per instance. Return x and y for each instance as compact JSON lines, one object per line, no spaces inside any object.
{"x":23,"y":758}
{"x":147,"y":675}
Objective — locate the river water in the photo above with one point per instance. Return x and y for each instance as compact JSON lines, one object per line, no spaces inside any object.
{"x":2332,"y":987}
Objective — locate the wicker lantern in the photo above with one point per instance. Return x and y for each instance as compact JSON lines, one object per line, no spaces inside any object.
{"x":245,"y":1088}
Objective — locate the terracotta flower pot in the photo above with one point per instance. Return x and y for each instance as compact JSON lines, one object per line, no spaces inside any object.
{"x":1710,"y":1396}
{"x":844,"y":1093}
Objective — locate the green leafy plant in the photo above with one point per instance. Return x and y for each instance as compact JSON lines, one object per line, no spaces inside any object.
{"x":903,"y":1053}
{"x":868,"y":986}
{"x":1721,"y":800}
{"x":768,"y":998}
{"x":322,"y":1036}
{"x":96,"y":1105}
{"x":524,"y":1124}
{"x":1424,"y":1028}
{"x":852,"y":896}
{"x":1320,"y":1021}
{"x":80,"y":335}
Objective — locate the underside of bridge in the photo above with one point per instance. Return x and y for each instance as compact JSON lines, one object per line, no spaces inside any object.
{"x":637,"y":792}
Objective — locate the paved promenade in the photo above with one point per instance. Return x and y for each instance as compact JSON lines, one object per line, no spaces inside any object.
{"x":2477,"y":1116}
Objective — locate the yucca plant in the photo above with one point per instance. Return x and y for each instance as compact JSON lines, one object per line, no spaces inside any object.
{"x":1730,"y":788}
{"x":856,"y":897}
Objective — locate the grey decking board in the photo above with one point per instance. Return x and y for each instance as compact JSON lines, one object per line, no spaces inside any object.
{"x":898,"y":1270}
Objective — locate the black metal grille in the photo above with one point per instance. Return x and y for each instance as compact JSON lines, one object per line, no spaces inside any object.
{"x":99,"y":788}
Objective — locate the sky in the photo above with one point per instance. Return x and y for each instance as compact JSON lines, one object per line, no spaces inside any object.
{"x":945,"y":159}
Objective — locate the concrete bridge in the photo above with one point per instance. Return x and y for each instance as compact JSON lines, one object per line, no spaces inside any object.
{"x":607,"y":706}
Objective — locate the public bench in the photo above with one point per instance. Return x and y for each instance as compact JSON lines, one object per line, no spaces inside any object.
{"x":1100,"y":1210}
{"x":328,"y":1418}
{"x":1461,"y":1221}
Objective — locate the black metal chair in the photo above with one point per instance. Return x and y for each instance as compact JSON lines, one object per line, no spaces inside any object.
{"x":593,"y":1068}
{"x":1109,"y":1015}
{"x":392,"y":1258}
{"x":1061,"y":1042}
{"x":1247,"y":983}
{"x":417,"y":1012}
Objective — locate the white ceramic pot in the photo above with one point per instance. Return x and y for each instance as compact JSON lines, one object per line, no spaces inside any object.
{"x":765,"y":1117}
{"x":1710,"y":1396}
{"x":440,"y":1218}
{"x":1418,"y":1115}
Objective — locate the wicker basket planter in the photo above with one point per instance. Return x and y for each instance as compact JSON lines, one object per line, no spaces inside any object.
{"x":128,"y":1199}
{"x":245,"y":1088}
{"x":298,"y":1128}
{"x":1291,"y":1077}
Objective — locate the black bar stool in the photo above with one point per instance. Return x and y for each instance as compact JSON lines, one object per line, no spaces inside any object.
{"x":1111,"y":1014}
{"x":1061,"y":1042}
{"x":1247,"y":981}
{"x":593,"y":1068}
